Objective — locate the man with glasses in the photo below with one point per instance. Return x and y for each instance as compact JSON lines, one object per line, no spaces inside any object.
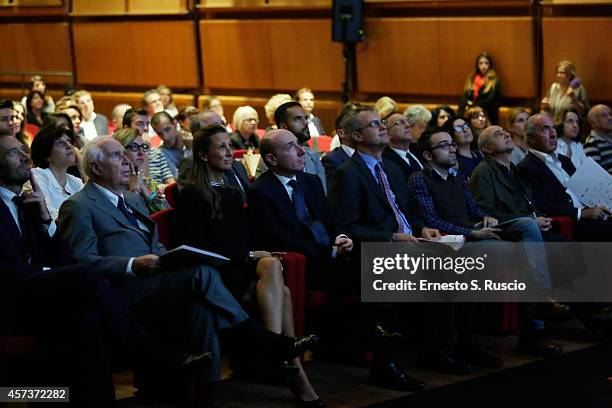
{"x":401,"y":143}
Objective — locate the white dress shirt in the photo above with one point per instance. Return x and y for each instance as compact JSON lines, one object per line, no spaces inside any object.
{"x":554,"y":165}
{"x":89,"y":128}
{"x":404,"y":155}
{"x":54,"y":194}
{"x":578,"y":155}
{"x":7,"y":197}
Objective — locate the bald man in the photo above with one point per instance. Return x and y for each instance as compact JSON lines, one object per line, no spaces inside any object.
{"x":599,"y":143}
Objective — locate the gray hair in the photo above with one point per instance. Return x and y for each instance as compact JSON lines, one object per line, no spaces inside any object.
{"x":119,"y":111}
{"x":273,"y":103}
{"x":92,"y":152}
{"x":241,"y":114}
{"x":418,"y":113}
{"x":531,"y":127}
{"x":485,"y":135}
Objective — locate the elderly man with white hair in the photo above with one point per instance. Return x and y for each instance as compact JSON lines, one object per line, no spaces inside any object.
{"x":599,"y":143}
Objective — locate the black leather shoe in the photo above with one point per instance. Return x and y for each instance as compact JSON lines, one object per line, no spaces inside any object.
{"x":478,"y":357}
{"x":389,"y":375}
{"x":298,"y":346}
{"x":318,"y":403}
{"x":538,"y":343}
{"x":442,"y":363}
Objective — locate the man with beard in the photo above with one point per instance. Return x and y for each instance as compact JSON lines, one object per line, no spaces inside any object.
{"x":291,"y":116}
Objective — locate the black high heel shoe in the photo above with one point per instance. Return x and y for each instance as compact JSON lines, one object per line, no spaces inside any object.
{"x":318,"y":403}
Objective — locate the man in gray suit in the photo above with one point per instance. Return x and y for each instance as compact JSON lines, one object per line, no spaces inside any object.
{"x":108,"y":227}
{"x":291,"y":116}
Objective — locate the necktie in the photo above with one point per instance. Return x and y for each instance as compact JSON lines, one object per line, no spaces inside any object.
{"x":129,"y":215}
{"x":23,"y":225}
{"x":402,"y":225}
{"x":301,"y":211}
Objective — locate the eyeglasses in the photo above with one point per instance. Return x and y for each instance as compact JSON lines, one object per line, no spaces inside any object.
{"x":445,"y":146}
{"x":135,"y":147}
{"x":252,"y":120}
{"x":461,"y":128}
{"x":376,"y":124}
{"x":402,"y":122}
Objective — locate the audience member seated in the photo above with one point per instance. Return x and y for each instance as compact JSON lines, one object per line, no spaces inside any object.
{"x":482,"y":88}
{"x":245,"y":122}
{"x":517,"y":123}
{"x":420,"y":117}
{"x":440,"y":115}
{"x":53,"y":153}
{"x":213,"y":103}
{"x":467,"y":156}
{"x":165,"y":95}
{"x":173,"y":147}
{"x":94,"y":320}
{"x":19,"y":125}
{"x":270,"y":107}
{"x":237,"y":176}
{"x":117,"y":117}
{"x":159,"y":170}
{"x":385,"y":106}
{"x":35,"y":104}
{"x":548,"y":174}
{"x":38,"y":84}
{"x":568,"y":139}
{"x":184,"y":124}
{"x":211,"y":215}
{"x":10,"y":122}
{"x":108,"y":228}
{"x":291,"y":116}
{"x":402,"y":150}
{"x":141,"y":183}
{"x":73,"y":111}
{"x":567,"y":93}
{"x":445,"y":202}
{"x":478,"y":120}
{"x":598,"y":144}
{"x":152,"y":104}
{"x":92,"y":124}
{"x":306,"y":98}
{"x":340,"y":154}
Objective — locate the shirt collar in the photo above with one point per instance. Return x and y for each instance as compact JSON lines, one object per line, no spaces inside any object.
{"x":114,"y":198}
{"x":370,"y":161}
{"x":91,"y":118}
{"x":6,"y":194}
{"x":284,"y":179}
{"x":545,"y":157}
{"x":348,"y":150}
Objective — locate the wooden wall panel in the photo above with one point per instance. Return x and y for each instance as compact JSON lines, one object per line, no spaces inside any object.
{"x":157,"y":6}
{"x":35,"y":47}
{"x":136,"y":53}
{"x":399,"y":56}
{"x":303,"y":54}
{"x":585,"y":41}
{"x":236,"y":54}
{"x":97,"y":7}
{"x":510,"y":42}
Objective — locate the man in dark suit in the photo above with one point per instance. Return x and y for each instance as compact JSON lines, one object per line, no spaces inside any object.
{"x":67,"y":307}
{"x":332,"y":160}
{"x":548,"y":173}
{"x":109,"y":228}
{"x":288,"y":211}
{"x":400,"y":145}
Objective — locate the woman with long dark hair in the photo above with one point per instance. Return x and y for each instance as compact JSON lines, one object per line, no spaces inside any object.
{"x":482,"y":88}
{"x":35,"y":104}
{"x":211,"y":216}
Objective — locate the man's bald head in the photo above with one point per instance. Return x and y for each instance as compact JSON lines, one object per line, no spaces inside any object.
{"x":600,"y":119}
{"x":282,"y":152}
{"x":495,"y":140}
{"x":205,"y":118}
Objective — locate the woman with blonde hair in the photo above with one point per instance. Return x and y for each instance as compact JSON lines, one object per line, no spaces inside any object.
{"x":274,"y":102}
{"x":482,"y":88}
{"x":245,"y":122}
{"x":565,"y":94}
{"x":140,"y":182}
{"x":385,"y":106}
{"x":517,"y":126}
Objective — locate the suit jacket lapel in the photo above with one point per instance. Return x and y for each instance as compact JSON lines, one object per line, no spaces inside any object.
{"x":9,"y":223}
{"x":372,"y":182}
{"x":102,"y":203}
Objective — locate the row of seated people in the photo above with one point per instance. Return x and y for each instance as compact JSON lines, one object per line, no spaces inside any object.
{"x":289,"y":211}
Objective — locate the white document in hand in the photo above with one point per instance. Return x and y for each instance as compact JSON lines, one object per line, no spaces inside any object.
{"x":454,"y":241}
{"x":186,"y":255}
{"x":592,"y":184}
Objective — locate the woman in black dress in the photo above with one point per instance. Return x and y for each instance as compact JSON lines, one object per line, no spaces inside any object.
{"x":211,"y":216}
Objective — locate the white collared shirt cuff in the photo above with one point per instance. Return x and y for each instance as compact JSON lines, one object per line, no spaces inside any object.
{"x":579,"y":213}
{"x":51,"y":228}
{"x":128,"y":268}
